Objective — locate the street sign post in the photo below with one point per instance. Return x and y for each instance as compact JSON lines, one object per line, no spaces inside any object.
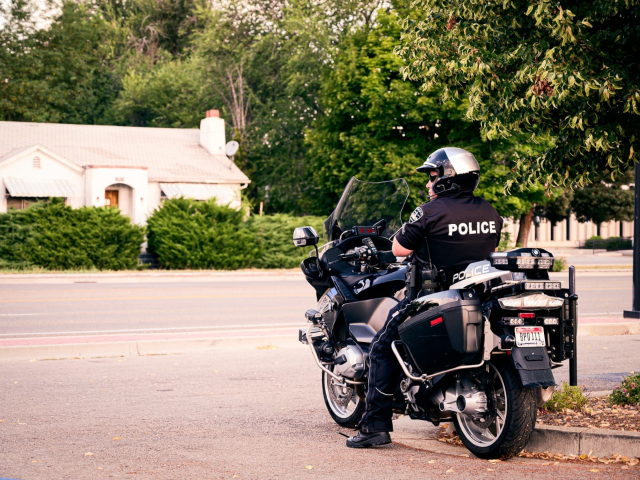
{"x":573,"y":313}
{"x":635,"y":312}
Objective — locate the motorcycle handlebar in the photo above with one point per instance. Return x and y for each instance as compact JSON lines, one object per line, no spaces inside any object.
{"x":349,"y":256}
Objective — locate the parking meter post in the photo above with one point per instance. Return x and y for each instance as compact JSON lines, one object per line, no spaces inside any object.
{"x":573,"y":313}
{"x":635,"y":312}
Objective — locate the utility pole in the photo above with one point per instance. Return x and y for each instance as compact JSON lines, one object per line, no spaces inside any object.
{"x":635,"y":312}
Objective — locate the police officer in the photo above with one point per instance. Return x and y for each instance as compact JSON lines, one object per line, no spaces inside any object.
{"x":453,"y":230}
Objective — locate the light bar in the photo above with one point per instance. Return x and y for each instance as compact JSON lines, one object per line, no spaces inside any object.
{"x":530,"y":301}
{"x":542,"y":285}
{"x":545,"y":263}
{"x":522,"y":259}
{"x":551,"y":321}
{"x":513,"y":321}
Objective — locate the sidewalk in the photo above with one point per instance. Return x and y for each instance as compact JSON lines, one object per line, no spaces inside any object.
{"x":601,"y":326}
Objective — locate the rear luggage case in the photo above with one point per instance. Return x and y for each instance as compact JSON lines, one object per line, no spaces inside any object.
{"x":445,"y":336}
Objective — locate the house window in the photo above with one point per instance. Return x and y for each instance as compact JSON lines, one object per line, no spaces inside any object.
{"x":36,"y":162}
{"x":20,"y":203}
{"x":568,"y":227}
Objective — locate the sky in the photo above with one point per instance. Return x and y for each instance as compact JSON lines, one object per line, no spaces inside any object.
{"x":41,"y":11}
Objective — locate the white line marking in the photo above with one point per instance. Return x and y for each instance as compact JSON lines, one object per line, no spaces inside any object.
{"x":153,"y":330}
{"x":20,"y":314}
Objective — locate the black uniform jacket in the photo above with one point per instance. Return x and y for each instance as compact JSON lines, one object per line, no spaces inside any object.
{"x":453,"y":231}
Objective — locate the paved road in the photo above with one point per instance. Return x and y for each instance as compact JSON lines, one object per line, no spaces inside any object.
{"x":603,"y":361}
{"x":247,"y":413}
{"x":148,"y":305}
{"x":184,"y":304}
{"x":601,"y":294}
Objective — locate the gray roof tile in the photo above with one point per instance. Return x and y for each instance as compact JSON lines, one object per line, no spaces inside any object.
{"x":170,"y":154}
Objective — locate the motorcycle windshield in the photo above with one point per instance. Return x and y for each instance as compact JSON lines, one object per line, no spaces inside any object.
{"x":366,"y":203}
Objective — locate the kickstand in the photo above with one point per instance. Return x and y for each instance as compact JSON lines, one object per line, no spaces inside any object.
{"x":343,"y":434}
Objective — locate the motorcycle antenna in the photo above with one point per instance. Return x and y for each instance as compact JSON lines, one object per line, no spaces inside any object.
{"x":318,"y":261}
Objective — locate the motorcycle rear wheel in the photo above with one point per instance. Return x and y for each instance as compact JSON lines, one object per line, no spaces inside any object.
{"x":344,"y":404}
{"x":514,"y":416}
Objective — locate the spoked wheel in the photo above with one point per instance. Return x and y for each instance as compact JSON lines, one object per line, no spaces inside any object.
{"x":503,"y":431}
{"x":344,"y":404}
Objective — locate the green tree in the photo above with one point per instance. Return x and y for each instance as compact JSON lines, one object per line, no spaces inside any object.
{"x":605,"y":201}
{"x":171,"y":94}
{"x":376,"y":125}
{"x":63,"y":73}
{"x":564,"y":74}
{"x":559,"y":207}
{"x":265,"y":62}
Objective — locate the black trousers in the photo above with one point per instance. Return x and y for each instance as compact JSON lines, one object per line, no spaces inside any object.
{"x":384,"y":375}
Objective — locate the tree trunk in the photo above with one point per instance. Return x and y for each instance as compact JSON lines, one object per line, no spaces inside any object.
{"x":525,"y":227}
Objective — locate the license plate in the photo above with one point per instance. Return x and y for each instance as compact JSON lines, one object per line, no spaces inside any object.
{"x":530,"y":337}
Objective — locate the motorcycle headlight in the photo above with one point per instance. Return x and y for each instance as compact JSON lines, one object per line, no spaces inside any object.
{"x":536,"y":301}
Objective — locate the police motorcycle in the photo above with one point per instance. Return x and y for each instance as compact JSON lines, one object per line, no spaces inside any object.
{"x":477,"y":350}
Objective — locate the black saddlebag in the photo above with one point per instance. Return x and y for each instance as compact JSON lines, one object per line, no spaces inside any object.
{"x":444,"y":336}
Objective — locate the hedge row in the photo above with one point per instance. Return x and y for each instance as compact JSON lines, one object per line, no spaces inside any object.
{"x":184,"y":234}
{"x":201,"y":235}
{"x":56,"y":237}
{"x":274,"y":234}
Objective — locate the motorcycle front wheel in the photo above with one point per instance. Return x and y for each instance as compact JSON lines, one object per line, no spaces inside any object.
{"x":512,"y":416}
{"x":344,"y":404}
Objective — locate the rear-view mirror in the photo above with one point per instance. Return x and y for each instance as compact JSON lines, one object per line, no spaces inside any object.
{"x":305,"y":237}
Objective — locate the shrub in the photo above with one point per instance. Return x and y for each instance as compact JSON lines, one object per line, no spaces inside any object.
{"x":559,"y":264}
{"x":192,"y":234}
{"x":566,"y":397}
{"x":610,"y":244}
{"x":56,"y":237}
{"x":274,"y":234}
{"x":593,"y":240}
{"x":628,"y":393}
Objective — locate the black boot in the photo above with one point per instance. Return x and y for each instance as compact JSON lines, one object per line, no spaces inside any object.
{"x":363,"y":440}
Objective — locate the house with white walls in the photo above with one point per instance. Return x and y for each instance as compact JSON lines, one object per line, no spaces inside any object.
{"x":131,"y":168}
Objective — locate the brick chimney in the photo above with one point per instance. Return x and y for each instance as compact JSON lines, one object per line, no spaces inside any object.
{"x":212,"y":133}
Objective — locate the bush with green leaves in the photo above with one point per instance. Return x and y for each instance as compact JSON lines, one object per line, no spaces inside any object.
{"x":192,"y":234}
{"x":274,"y":234}
{"x":628,"y":393}
{"x":566,"y":397}
{"x":559,"y":264}
{"x":56,"y":237}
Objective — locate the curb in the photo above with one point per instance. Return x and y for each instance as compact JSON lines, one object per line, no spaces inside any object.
{"x":141,"y":348}
{"x":598,"y":394}
{"x":587,"y":441}
{"x":608,"y":329}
